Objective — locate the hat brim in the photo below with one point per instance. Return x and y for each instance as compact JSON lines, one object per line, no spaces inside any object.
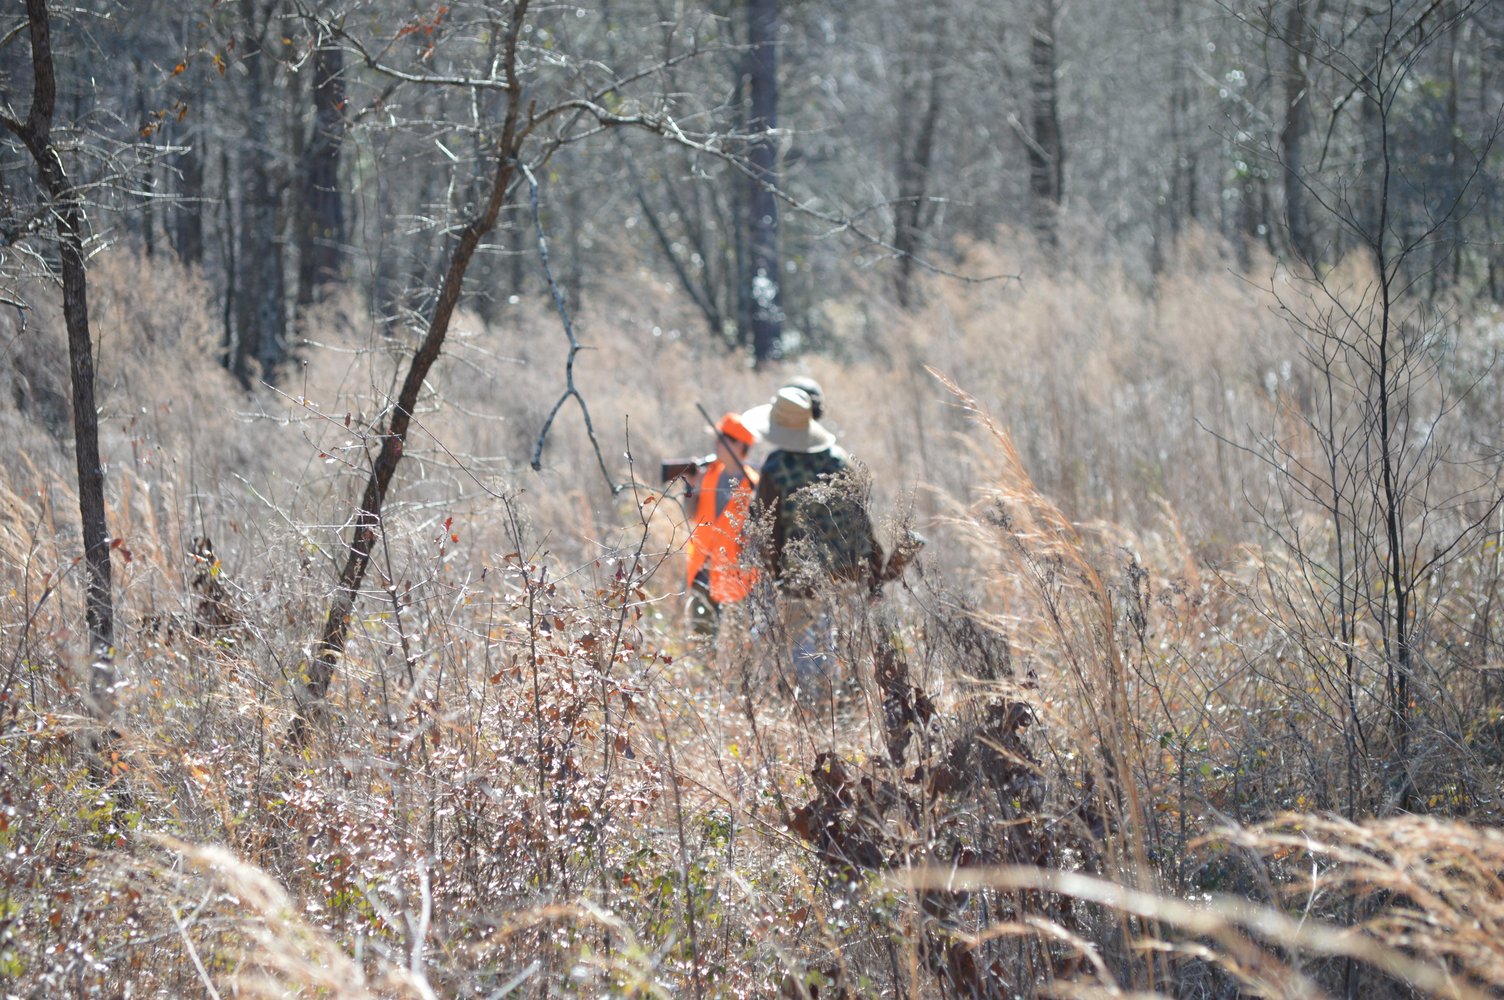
{"x":816,"y":437}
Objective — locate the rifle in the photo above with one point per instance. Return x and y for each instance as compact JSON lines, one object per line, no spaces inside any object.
{"x":677,"y":468}
{"x":671,"y":469}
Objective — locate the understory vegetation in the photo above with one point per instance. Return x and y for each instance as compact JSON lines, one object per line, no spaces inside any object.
{"x":1139,"y":720}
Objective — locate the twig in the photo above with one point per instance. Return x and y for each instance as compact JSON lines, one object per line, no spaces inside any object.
{"x":511,"y":984}
{"x":198,"y":964}
{"x":420,"y":936}
{"x":48,"y":588}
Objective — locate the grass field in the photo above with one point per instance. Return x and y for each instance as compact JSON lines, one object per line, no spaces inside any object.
{"x":1127,"y":727}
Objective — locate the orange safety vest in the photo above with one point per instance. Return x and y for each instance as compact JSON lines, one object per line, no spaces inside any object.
{"x":716,"y":536}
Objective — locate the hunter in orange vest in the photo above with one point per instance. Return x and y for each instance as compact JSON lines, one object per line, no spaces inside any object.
{"x":723,"y":497}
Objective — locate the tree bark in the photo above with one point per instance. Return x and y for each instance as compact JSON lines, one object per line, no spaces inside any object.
{"x":147,"y":179}
{"x":1296,"y":125}
{"x":1456,"y":152}
{"x":68,"y":217}
{"x":260,"y":314}
{"x":321,"y":230}
{"x":1047,"y":148}
{"x":764,"y":280}
{"x":911,"y":216}
{"x":188,"y":219}
{"x":1182,"y":201}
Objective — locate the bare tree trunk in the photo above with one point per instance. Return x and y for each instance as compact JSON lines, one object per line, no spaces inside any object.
{"x":1181,"y":209}
{"x":1490,"y":59}
{"x":574,"y":222}
{"x":764,"y":277}
{"x":1297,"y":33}
{"x":321,"y":230}
{"x":915,"y":160}
{"x":366,"y":521}
{"x":1046,"y":146}
{"x":68,"y":215}
{"x":1456,"y":152}
{"x":260,"y":316}
{"x":228,"y":227}
{"x":188,"y":219}
{"x":1388,"y":385}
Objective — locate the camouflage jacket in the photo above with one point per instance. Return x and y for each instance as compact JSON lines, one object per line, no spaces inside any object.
{"x":815,"y":508}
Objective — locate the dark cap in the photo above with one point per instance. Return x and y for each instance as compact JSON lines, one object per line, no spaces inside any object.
{"x":812,"y":388}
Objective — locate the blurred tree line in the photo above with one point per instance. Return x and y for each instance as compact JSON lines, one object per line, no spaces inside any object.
{"x":287,"y":149}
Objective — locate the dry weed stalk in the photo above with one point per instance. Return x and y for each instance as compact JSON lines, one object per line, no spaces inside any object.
{"x":1431,"y":891}
{"x":1259,"y":946}
{"x":1075,"y":610}
{"x":278,"y":953}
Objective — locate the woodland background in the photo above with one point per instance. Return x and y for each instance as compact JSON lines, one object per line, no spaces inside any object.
{"x":340,"y":632}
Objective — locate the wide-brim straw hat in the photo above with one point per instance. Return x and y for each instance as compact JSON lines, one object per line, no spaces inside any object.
{"x":787,"y":422}
{"x":809,"y":385}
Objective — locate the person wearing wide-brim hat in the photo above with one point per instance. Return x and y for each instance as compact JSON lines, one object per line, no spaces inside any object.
{"x":829,"y":529}
{"x":820,"y":531}
{"x":788,"y":422}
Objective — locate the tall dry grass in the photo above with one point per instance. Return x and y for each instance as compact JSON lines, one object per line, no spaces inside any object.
{"x":1051,"y":761}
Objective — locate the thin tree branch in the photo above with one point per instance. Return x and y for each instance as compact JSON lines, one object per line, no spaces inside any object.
{"x":574,"y":349}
